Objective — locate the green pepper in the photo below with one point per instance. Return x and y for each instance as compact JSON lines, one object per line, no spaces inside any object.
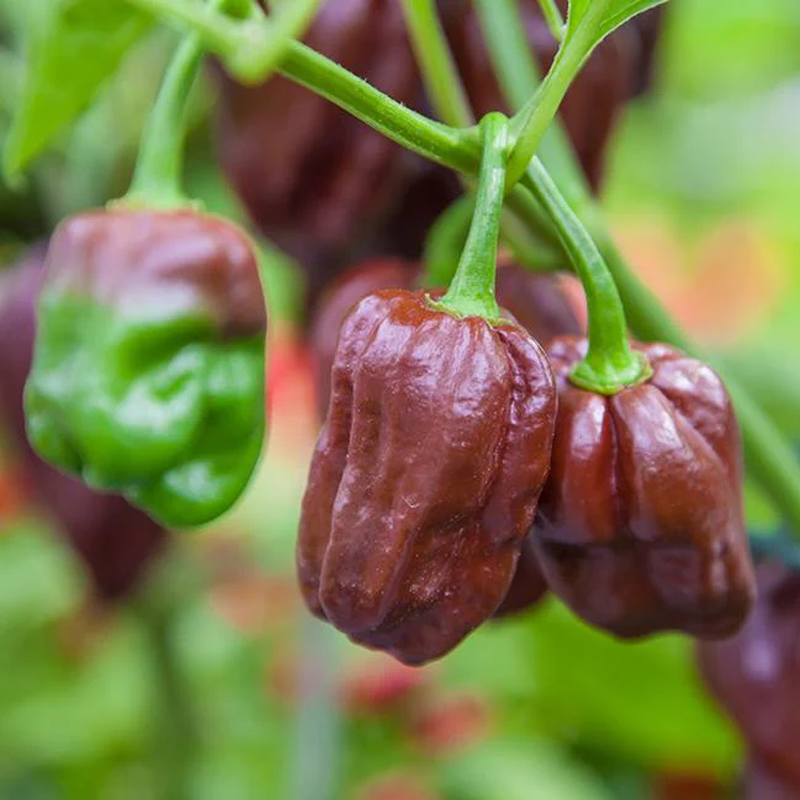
{"x":148,"y":370}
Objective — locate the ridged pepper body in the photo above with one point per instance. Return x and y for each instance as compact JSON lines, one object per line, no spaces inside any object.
{"x":426,"y":475}
{"x":114,"y":540}
{"x":640,"y":526}
{"x":313,"y":178}
{"x":148,"y":369}
{"x":755,"y":677}
{"x":535,"y":301}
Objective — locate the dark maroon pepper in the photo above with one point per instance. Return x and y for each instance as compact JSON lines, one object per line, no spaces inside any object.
{"x":640,"y":524}
{"x":313,"y":178}
{"x":115,"y":541}
{"x":755,"y":677}
{"x":426,"y":474}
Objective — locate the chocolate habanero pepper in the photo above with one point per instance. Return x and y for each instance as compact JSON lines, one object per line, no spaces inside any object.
{"x":436,"y":444}
{"x":114,"y":540}
{"x":148,"y":373}
{"x":755,"y":677}
{"x":640,"y":525}
{"x":148,"y":368}
{"x":313,"y":178}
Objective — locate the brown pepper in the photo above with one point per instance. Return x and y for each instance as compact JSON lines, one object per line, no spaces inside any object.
{"x":313,"y":178}
{"x":534,"y":300}
{"x":640,"y":524}
{"x":426,"y":474}
{"x":755,"y":677}
{"x":115,"y":541}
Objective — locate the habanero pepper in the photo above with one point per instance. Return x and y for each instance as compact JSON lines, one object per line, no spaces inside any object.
{"x":754,"y":677}
{"x":148,"y":369}
{"x":426,"y":475}
{"x":314,"y":179}
{"x":115,"y":541}
{"x":640,"y":525}
{"x":429,"y":465}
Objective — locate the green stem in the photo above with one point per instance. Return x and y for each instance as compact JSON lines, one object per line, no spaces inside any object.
{"x":445,"y":242}
{"x":553,"y":18}
{"x":442,"y":80}
{"x":610,"y":364}
{"x":519,"y":76}
{"x":471,"y":292}
{"x":158,"y":178}
{"x":530,"y":124}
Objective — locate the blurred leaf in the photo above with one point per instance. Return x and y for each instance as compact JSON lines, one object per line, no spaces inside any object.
{"x":530,"y":770}
{"x":73,"y":47}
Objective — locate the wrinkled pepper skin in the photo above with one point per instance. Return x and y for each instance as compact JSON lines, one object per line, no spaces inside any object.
{"x":640,"y":524}
{"x":314,"y":179}
{"x":535,"y":301}
{"x":115,"y":541}
{"x":426,"y":474}
{"x":755,"y":677}
{"x":529,"y":586}
{"x":148,"y":369}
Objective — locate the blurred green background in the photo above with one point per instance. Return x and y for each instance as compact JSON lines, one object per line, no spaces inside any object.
{"x":215,"y":683}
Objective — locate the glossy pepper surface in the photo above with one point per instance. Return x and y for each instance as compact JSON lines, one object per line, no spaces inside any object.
{"x":755,"y":677}
{"x":148,"y":370}
{"x":114,"y":540}
{"x":640,"y":524}
{"x":317,"y":182}
{"x":535,"y":301}
{"x":426,"y":474}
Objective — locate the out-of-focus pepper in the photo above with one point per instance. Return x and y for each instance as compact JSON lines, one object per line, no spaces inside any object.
{"x":536,"y":301}
{"x":115,"y":541}
{"x":426,"y":475}
{"x":148,"y":369}
{"x":313,"y":178}
{"x":640,"y":524}
{"x":590,"y":110}
{"x":755,"y":677}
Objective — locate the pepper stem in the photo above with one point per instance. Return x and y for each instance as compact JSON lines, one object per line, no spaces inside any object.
{"x":471,"y":292}
{"x":610,"y":365}
{"x":158,"y":176}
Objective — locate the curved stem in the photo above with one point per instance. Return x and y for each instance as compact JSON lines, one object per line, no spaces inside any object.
{"x":610,"y":364}
{"x":530,"y":124}
{"x":443,"y":83}
{"x":471,"y":292}
{"x":158,"y":177}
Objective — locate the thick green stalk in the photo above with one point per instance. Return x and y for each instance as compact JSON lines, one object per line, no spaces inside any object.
{"x":436,"y":60}
{"x":158,"y":178}
{"x":471,"y":292}
{"x":610,"y":364}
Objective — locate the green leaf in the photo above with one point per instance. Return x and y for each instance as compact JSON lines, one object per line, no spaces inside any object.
{"x":73,"y":46}
{"x":603,"y":16}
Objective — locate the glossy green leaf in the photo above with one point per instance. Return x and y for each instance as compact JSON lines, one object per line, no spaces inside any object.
{"x":73,"y":47}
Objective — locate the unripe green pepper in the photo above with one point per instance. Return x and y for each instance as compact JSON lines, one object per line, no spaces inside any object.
{"x":148,"y":370}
